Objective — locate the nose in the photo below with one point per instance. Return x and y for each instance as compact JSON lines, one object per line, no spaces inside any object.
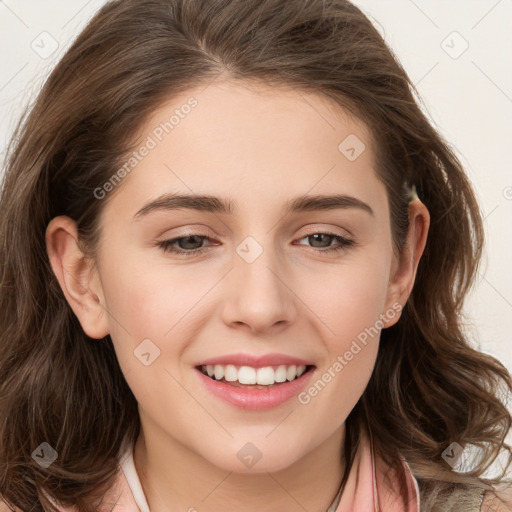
{"x":258,"y":295}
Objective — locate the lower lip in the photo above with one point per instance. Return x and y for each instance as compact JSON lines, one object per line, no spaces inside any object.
{"x":254,"y":399}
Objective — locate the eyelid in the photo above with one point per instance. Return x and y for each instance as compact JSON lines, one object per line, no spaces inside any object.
{"x":327,"y":231}
{"x":193,"y":230}
{"x":208,"y":233}
{"x":344,"y":243}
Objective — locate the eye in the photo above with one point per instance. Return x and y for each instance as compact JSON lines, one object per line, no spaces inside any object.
{"x":186,"y":245}
{"x":321,"y":238}
{"x":192,"y":244}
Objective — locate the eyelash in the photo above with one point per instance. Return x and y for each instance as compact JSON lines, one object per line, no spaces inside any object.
{"x":168,"y":245}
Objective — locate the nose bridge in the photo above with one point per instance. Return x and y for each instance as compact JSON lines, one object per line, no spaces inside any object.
{"x":258,"y":296}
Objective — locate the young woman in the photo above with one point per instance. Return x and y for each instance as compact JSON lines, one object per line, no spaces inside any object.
{"x":234,"y":256}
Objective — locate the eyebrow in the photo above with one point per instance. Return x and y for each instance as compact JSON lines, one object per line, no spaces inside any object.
{"x":213,"y":204}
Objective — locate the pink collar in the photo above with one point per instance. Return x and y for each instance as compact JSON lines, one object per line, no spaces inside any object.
{"x":366,"y":489}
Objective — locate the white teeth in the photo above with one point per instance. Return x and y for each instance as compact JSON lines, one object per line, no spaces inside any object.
{"x":219,"y":372}
{"x":247,"y":375}
{"x":291,"y":373}
{"x":231,"y":373}
{"x":280,"y":374}
{"x":265,"y":376}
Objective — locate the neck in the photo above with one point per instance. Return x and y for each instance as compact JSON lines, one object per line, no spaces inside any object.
{"x":174,"y":478}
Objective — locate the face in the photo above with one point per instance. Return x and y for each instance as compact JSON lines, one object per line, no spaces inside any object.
{"x":264,"y":282}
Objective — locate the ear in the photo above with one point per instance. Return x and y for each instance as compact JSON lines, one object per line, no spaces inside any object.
{"x":404,"y":267}
{"x":77,"y":276}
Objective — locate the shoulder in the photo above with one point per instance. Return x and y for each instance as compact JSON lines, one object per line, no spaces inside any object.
{"x":119,"y":496}
{"x":440,"y":496}
{"x":471,"y":499}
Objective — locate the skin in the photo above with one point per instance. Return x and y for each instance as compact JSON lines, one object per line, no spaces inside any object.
{"x":242,"y":142}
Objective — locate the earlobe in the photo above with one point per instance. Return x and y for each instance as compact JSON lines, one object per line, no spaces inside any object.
{"x":77,"y":277}
{"x":404,"y":273}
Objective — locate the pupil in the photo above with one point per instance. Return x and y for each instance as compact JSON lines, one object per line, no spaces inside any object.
{"x":185,"y":241}
{"x":319,"y":236}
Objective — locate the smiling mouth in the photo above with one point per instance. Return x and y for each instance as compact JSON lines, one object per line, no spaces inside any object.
{"x":257,"y":378}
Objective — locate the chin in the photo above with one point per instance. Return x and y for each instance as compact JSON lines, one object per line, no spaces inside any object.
{"x":246,"y":457}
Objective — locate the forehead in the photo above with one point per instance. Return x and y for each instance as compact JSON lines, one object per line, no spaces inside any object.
{"x":247,"y":141}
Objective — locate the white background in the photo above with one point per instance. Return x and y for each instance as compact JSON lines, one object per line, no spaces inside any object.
{"x":467,"y":94}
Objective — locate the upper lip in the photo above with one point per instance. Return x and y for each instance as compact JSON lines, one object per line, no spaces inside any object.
{"x":255,"y":361}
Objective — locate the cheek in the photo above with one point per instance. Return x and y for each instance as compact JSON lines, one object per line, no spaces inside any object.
{"x":350,"y":307}
{"x":149,"y":300}
{"x":349,"y":297}
{"x":150,"y":309}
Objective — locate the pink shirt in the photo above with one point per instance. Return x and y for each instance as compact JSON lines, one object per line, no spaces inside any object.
{"x":365,"y":490}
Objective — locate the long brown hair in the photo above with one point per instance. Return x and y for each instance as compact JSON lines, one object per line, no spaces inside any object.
{"x":429,"y":387}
